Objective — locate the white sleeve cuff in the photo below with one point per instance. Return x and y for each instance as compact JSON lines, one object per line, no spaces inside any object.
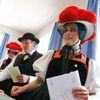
{"x":32,"y":78}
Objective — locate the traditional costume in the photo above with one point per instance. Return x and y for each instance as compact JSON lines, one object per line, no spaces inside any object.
{"x":68,"y":60}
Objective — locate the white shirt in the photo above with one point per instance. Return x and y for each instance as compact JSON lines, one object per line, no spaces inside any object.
{"x":93,"y":76}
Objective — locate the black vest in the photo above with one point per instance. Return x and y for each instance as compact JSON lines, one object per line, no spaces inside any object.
{"x":25,"y":66}
{"x":54,"y":69}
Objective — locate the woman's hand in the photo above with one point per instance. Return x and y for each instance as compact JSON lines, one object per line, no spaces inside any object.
{"x":16,"y":90}
{"x":81,"y":92}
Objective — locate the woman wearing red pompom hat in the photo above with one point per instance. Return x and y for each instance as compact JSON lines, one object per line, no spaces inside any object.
{"x":76,"y":26}
{"x":13,"y":49}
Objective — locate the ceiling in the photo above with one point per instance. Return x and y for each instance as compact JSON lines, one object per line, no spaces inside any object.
{"x":33,"y":15}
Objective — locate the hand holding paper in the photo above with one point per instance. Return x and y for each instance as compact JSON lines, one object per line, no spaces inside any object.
{"x":14,"y":71}
{"x":23,"y":78}
{"x":60,"y":87}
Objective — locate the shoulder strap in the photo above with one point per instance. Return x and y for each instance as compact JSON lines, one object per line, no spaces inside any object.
{"x":56,"y":54}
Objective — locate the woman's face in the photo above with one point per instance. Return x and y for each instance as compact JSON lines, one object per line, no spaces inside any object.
{"x":11,"y":54}
{"x":71,"y":34}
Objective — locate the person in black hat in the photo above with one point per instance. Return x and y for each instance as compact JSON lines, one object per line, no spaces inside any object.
{"x":29,"y":41}
{"x":29,"y":36}
{"x":24,"y":61}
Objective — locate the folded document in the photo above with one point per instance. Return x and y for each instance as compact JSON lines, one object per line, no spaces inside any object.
{"x":14,"y":71}
{"x":60,"y":87}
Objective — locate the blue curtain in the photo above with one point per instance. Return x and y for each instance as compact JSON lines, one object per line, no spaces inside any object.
{"x":2,"y":47}
{"x":90,"y":48}
{"x":55,"y":40}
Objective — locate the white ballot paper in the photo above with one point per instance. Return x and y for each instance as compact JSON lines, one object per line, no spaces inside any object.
{"x":14,"y":71}
{"x":60,"y":87}
{"x":5,"y":97}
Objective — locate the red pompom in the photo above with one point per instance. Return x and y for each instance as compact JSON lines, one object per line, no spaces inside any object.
{"x":68,"y":15}
{"x":14,"y":46}
{"x":74,"y":8}
{"x":87,"y":16}
{"x":73,"y":13}
{"x":82,"y":13}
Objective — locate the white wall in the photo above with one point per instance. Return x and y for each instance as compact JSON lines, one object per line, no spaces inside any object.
{"x":44,"y":37}
{"x":46,"y":29}
{"x":13,"y":34}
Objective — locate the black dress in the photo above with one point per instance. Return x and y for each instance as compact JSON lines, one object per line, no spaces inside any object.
{"x":54,"y":69}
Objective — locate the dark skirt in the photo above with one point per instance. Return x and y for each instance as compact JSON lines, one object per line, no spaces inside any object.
{"x":4,"y":85}
{"x":41,"y":93}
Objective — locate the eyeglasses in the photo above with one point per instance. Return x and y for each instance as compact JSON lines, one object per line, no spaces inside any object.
{"x":62,"y":30}
{"x":15,"y":53}
{"x":71,"y":30}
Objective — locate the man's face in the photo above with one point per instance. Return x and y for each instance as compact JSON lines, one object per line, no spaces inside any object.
{"x":71,"y":34}
{"x":28,"y":45}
